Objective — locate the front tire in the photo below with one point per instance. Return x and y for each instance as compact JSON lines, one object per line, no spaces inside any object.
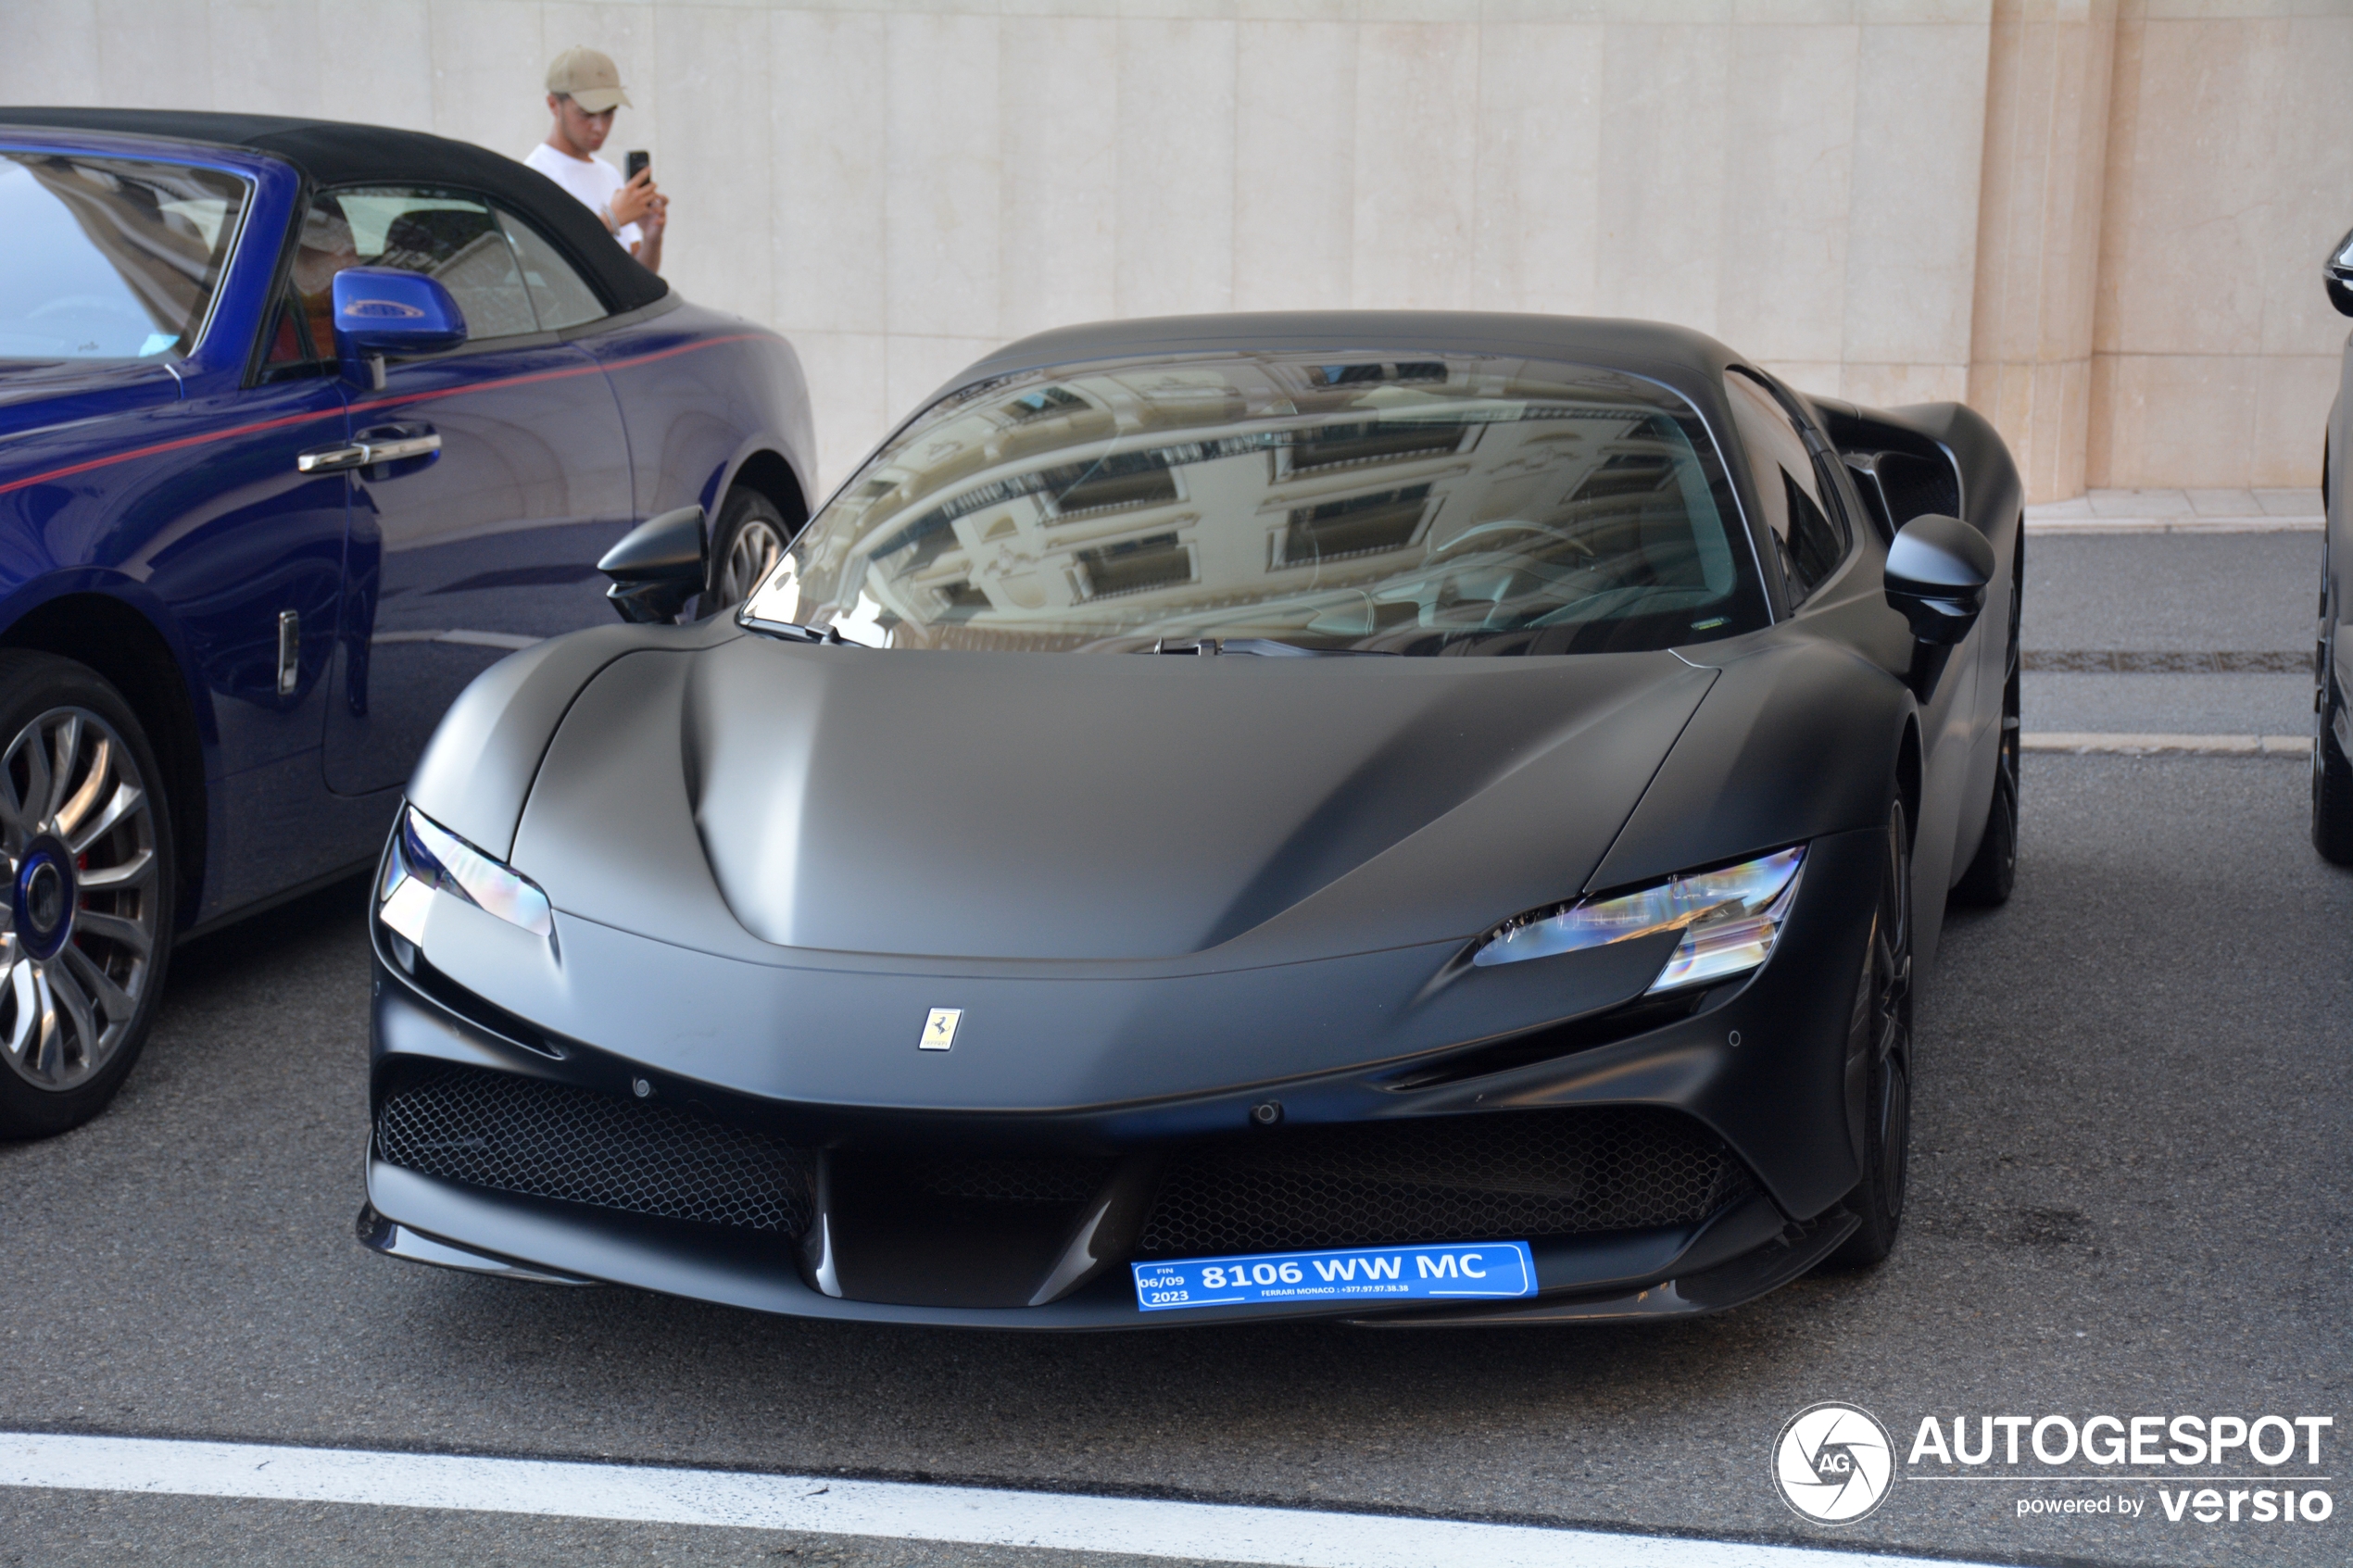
{"x":1879,"y":1052}
{"x":85,"y":838}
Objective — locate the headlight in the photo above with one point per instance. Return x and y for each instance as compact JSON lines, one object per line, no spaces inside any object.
{"x":427,"y":857}
{"x":1729,"y":919}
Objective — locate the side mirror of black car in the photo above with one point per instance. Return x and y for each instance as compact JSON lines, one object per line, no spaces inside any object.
{"x":658,"y":566}
{"x":1937,"y":569}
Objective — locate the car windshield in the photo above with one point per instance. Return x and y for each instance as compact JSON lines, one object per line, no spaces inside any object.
{"x":109,"y":259}
{"x":1269,"y":503}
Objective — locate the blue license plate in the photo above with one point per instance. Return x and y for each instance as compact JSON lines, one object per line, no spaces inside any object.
{"x":1484,"y":1269}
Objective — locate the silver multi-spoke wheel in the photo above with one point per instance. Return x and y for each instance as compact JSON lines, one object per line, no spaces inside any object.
{"x":78,"y":827}
{"x":751,"y":553}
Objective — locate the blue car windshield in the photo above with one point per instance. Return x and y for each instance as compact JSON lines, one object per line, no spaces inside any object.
{"x":1271,"y":503}
{"x":109,"y":259}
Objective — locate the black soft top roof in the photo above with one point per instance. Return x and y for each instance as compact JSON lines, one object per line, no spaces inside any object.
{"x":333,"y":153}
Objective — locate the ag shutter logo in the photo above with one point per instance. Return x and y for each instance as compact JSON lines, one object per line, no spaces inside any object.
{"x":1833,"y":1463}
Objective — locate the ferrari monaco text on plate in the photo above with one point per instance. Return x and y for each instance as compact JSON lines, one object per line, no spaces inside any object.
{"x":1489,"y":1268}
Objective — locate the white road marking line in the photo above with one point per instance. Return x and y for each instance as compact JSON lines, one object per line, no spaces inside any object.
{"x":888,"y":1509}
{"x":2094,"y":743}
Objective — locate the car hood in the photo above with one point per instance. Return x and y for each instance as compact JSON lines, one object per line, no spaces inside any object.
{"x":1085,"y":808}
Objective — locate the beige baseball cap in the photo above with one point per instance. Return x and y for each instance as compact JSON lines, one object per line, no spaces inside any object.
{"x":588,"y":78}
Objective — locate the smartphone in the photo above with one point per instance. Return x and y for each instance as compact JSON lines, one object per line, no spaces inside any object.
{"x":640,"y":161}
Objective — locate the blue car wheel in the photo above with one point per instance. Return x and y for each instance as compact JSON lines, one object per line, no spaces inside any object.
{"x":750,"y":536}
{"x":84,"y":928}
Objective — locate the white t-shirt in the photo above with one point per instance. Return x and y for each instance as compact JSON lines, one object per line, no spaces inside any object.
{"x":592,"y":180}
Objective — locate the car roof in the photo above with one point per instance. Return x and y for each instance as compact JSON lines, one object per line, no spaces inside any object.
{"x":1691,"y":362}
{"x":336,"y":153}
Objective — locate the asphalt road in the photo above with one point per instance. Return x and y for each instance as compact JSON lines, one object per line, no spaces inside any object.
{"x":2192,"y":593}
{"x":2130,"y":1197}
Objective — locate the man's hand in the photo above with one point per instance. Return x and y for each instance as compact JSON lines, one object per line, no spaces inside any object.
{"x":635,"y":201}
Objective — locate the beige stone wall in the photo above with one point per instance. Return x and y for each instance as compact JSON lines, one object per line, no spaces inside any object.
{"x":1891,"y":200}
{"x":2229,"y":174}
{"x":2038,"y":237}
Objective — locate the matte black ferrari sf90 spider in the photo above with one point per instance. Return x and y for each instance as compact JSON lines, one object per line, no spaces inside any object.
{"x":1421,"y":818}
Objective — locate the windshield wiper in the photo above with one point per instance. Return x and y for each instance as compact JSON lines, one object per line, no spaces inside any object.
{"x":794,"y":632}
{"x":1264,"y":647}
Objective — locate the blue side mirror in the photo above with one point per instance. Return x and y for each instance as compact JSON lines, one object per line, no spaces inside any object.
{"x":381,"y":310}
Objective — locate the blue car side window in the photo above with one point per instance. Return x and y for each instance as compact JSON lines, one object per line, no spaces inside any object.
{"x":111,"y":259}
{"x":562,"y":297}
{"x":445,"y":235}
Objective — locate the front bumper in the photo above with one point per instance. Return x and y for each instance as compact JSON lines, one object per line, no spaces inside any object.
{"x":1760,"y":1067}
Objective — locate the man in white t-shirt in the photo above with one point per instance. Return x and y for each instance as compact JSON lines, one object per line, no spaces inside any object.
{"x":583,"y":90}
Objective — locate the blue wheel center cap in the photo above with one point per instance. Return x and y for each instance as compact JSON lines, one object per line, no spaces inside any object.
{"x":45,"y":898}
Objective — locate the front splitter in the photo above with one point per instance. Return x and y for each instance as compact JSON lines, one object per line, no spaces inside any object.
{"x":1667,"y":1272}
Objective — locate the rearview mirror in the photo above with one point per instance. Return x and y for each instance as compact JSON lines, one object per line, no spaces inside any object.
{"x":658,"y":566}
{"x":1937,"y":569}
{"x":381,"y":310}
{"x":2338,"y":275}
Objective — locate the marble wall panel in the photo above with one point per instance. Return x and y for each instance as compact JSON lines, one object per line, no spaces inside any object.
{"x":829,"y":92}
{"x":2179,"y":266}
{"x":1538,"y":185}
{"x":1659,"y":219}
{"x":396,"y":89}
{"x":2046,"y":147}
{"x":715,"y":152}
{"x":52,"y":56}
{"x":1058,"y":77}
{"x":1294,"y":165}
{"x":268,"y":50}
{"x":942,"y":195}
{"x":1789,"y":142}
{"x":1919,"y":128}
{"x":489,"y":73}
{"x":152,"y":58}
{"x":1175,"y":167}
{"x":2292,"y":396}
{"x":2175,"y":420}
{"x":1416,"y":157}
{"x":2306,"y":70}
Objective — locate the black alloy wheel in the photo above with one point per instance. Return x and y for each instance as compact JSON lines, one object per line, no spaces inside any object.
{"x":1879,"y":1052}
{"x":86,"y":922}
{"x":1992,"y":872}
{"x":751,"y":534}
{"x":2332,"y":773}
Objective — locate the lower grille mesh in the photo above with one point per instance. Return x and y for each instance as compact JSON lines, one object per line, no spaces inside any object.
{"x":549,"y":1140}
{"x":1010,"y":1179}
{"x":1519,"y":1174}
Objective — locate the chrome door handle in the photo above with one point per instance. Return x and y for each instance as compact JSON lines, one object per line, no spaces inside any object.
{"x":365,"y":453}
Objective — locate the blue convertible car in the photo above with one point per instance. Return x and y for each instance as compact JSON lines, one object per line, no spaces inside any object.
{"x":302,"y":425}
